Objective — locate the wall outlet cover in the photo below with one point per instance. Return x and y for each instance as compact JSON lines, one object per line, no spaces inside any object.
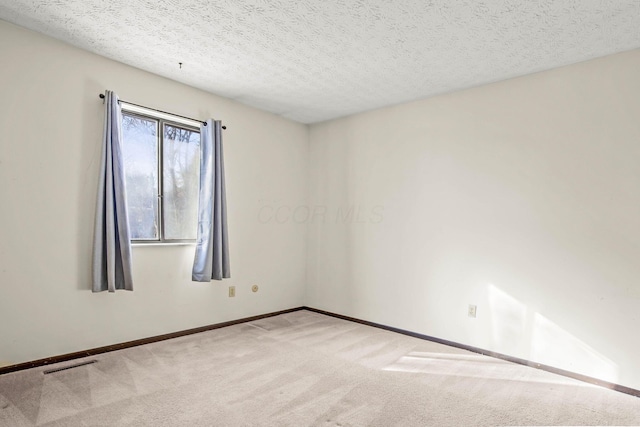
{"x":472,"y":310}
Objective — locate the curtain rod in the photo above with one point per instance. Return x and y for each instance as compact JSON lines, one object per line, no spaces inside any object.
{"x":160,"y":111}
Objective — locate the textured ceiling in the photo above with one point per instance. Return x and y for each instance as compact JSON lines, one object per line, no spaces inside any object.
{"x":313,"y":60}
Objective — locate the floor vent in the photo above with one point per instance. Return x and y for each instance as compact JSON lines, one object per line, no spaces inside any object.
{"x":51,"y":371}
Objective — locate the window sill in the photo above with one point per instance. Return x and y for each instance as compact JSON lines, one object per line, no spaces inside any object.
{"x":151,"y":244}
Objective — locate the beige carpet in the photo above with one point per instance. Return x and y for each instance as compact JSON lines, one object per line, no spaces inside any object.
{"x":303,"y":369}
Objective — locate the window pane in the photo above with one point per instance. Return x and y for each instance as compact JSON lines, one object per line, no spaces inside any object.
{"x":180,"y":177}
{"x":140,"y":149}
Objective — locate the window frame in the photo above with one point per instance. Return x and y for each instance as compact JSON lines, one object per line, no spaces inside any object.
{"x":161,"y":120}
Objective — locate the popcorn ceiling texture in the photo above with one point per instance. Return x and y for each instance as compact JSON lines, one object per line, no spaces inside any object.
{"x":314,"y":60}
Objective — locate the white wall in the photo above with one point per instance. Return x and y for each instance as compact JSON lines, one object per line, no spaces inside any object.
{"x":50,"y":126}
{"x":522,"y":197}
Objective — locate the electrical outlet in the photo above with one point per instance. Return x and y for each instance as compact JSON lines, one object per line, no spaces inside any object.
{"x":472,"y":310}
{"x":232,"y":291}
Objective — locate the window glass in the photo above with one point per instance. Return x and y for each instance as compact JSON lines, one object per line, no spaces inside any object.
{"x":140,"y":149}
{"x":162,"y":172}
{"x":180,"y":176}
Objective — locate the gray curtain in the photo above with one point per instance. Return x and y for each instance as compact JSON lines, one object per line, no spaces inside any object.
{"x":212,"y":248}
{"x":112,"y":243}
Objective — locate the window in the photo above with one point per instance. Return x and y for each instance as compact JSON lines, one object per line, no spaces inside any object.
{"x":162,"y":167}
